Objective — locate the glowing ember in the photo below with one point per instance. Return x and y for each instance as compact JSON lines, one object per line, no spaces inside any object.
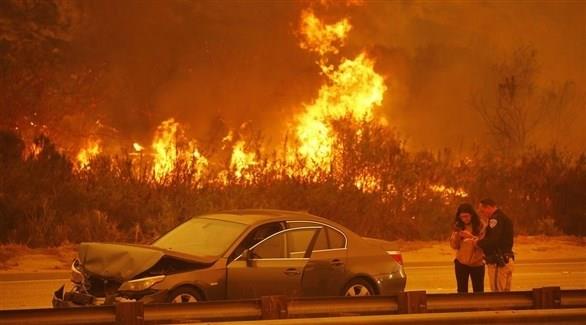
{"x":227,"y":139}
{"x":137,"y":147}
{"x":34,"y":150}
{"x":91,"y":150}
{"x":367,"y":183}
{"x":447,"y":191}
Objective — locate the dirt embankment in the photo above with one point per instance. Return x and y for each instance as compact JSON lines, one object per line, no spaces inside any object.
{"x":18,"y":258}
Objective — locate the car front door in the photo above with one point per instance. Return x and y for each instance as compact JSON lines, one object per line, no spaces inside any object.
{"x":274,"y":266}
{"x":325,"y":272}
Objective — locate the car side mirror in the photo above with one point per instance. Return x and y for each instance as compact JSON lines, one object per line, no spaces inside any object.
{"x":247,"y":256}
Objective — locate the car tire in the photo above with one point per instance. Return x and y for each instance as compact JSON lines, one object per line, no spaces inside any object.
{"x":358,"y":287}
{"x":185,"y":294}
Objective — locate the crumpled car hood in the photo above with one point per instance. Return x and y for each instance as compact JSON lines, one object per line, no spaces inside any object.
{"x":122,"y":262}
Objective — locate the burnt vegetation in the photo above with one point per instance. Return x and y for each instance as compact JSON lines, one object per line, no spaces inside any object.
{"x":45,"y":201}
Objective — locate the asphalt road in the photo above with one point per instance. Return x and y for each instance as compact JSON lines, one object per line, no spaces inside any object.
{"x":526,"y":276}
{"x":32,"y":290}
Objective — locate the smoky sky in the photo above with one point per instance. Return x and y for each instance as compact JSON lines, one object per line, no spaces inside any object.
{"x":239,"y":61}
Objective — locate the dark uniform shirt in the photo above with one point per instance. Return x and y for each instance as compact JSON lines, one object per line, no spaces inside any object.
{"x":498,"y":238}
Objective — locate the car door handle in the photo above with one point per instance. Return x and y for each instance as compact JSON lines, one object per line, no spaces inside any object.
{"x":291,"y":271}
{"x":336,"y":262}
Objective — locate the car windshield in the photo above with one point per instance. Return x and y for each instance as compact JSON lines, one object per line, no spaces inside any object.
{"x":201,"y":237}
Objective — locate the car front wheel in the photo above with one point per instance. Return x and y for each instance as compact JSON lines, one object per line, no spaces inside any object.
{"x":185,"y":295}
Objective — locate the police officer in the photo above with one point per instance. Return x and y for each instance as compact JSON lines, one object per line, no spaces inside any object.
{"x":497,"y":245}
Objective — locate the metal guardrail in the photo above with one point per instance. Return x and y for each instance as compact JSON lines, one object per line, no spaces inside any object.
{"x":282,"y":307}
{"x":537,"y":316}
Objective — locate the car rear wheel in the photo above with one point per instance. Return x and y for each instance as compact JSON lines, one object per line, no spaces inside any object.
{"x":358,"y":287}
{"x":184,"y":295}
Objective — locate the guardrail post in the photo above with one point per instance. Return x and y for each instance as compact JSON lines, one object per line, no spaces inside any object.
{"x":547,"y":297}
{"x":274,"y":307}
{"x":412,"y":302}
{"x":130,"y":313}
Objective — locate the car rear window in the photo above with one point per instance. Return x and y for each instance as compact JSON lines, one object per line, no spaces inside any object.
{"x":288,"y":244}
{"x":298,"y":241}
{"x":328,"y":238}
{"x":337,"y":240}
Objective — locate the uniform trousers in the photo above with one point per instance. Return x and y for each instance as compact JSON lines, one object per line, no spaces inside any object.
{"x":500,"y":277}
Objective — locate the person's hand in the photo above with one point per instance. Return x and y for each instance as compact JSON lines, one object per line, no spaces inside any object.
{"x":466,"y":234}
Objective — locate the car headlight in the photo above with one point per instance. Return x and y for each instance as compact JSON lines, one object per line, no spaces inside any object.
{"x":141,"y":284}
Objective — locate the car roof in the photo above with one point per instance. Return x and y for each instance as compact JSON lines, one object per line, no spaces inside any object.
{"x":256,"y":216}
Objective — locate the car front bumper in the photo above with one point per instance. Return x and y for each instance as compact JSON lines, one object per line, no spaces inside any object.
{"x":74,"y":298}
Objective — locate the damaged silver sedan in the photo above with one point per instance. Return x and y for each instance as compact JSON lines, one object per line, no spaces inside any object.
{"x":235,"y":255}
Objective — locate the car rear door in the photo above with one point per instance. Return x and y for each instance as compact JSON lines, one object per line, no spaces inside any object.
{"x":275,"y":266}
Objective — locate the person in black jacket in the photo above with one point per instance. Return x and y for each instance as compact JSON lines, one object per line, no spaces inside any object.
{"x":497,"y":245}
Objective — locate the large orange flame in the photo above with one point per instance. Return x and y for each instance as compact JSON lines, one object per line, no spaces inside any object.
{"x":165,"y":148}
{"x":322,"y":38}
{"x":352,"y":90}
{"x":198,"y":162}
{"x":86,"y":154}
{"x":241,"y":161}
{"x":171,"y":149}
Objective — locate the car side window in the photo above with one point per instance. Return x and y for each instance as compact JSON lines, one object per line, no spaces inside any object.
{"x":329,"y":238}
{"x":255,"y":236}
{"x":298,"y":241}
{"x":288,"y":244}
{"x":322,"y":240}
{"x":337,"y":240}
{"x":273,"y":247}
{"x":262,"y":232}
